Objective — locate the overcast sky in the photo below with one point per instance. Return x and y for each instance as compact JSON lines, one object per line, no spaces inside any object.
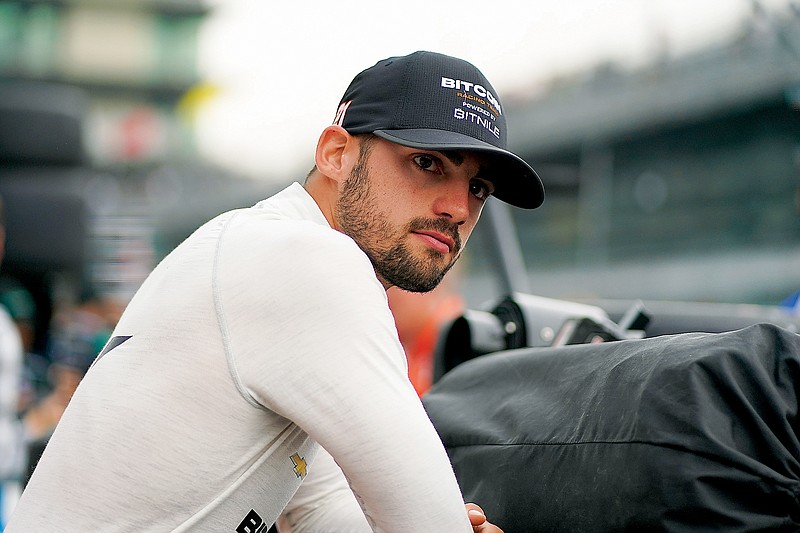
{"x":281,"y":67}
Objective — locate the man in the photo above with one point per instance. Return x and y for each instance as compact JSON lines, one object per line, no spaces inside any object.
{"x":259,"y":361}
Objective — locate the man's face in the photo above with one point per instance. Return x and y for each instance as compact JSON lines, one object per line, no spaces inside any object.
{"x":412,"y":210}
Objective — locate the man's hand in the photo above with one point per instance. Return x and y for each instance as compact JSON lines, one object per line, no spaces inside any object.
{"x":478,"y":520}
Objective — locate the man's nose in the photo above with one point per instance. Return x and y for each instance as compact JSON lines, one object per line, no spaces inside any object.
{"x":453,"y":201}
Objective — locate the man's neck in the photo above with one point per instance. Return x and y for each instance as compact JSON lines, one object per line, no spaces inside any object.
{"x":324,"y":193}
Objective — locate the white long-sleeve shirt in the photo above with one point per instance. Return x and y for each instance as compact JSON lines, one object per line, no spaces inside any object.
{"x":261,"y":337}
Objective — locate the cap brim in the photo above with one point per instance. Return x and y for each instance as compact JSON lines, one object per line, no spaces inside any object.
{"x":516,"y":182}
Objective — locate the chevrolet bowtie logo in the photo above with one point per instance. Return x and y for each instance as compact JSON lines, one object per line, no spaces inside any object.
{"x":299,"y":466}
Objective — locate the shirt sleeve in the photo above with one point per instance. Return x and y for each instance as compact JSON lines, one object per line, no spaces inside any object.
{"x":324,"y":503}
{"x":313,"y":340}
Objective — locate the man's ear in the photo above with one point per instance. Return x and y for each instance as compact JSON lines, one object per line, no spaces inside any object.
{"x":334,"y":155}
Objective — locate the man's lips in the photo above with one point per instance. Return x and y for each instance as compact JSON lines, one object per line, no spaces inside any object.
{"x":438,"y":241}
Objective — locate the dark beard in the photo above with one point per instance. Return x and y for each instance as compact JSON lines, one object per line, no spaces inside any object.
{"x":394,"y":263}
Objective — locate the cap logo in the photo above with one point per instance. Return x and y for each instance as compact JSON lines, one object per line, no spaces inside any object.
{"x":469,"y":116}
{"x":339,"y":119}
{"x":480,"y":92}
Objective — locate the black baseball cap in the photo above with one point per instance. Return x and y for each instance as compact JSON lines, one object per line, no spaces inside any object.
{"x":438,"y":102}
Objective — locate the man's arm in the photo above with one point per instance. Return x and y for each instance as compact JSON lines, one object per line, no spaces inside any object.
{"x":313,"y":340}
{"x":325,"y":504}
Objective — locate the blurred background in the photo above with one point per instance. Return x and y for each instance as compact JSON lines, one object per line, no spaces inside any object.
{"x":667,"y":134}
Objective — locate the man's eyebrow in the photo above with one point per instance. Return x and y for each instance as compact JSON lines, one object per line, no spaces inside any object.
{"x":487,"y":174}
{"x":457,"y":158}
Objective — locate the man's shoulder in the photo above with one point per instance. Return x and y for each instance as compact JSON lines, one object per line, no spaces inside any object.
{"x":297,"y":234}
{"x":292,"y":246}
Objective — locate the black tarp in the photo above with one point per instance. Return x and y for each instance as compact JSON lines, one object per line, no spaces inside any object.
{"x":691,"y":432}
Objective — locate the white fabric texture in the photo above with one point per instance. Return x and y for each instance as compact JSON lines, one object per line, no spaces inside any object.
{"x":261,"y":337}
{"x":12,"y":443}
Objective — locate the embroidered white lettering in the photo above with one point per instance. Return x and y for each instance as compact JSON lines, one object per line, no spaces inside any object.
{"x":467,"y":87}
{"x":469,"y":116}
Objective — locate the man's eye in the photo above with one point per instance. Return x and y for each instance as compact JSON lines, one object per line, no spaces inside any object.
{"x":480,"y":189}
{"x":426,"y":162}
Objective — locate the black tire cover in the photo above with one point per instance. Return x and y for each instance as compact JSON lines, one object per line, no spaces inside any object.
{"x":689,"y":432}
